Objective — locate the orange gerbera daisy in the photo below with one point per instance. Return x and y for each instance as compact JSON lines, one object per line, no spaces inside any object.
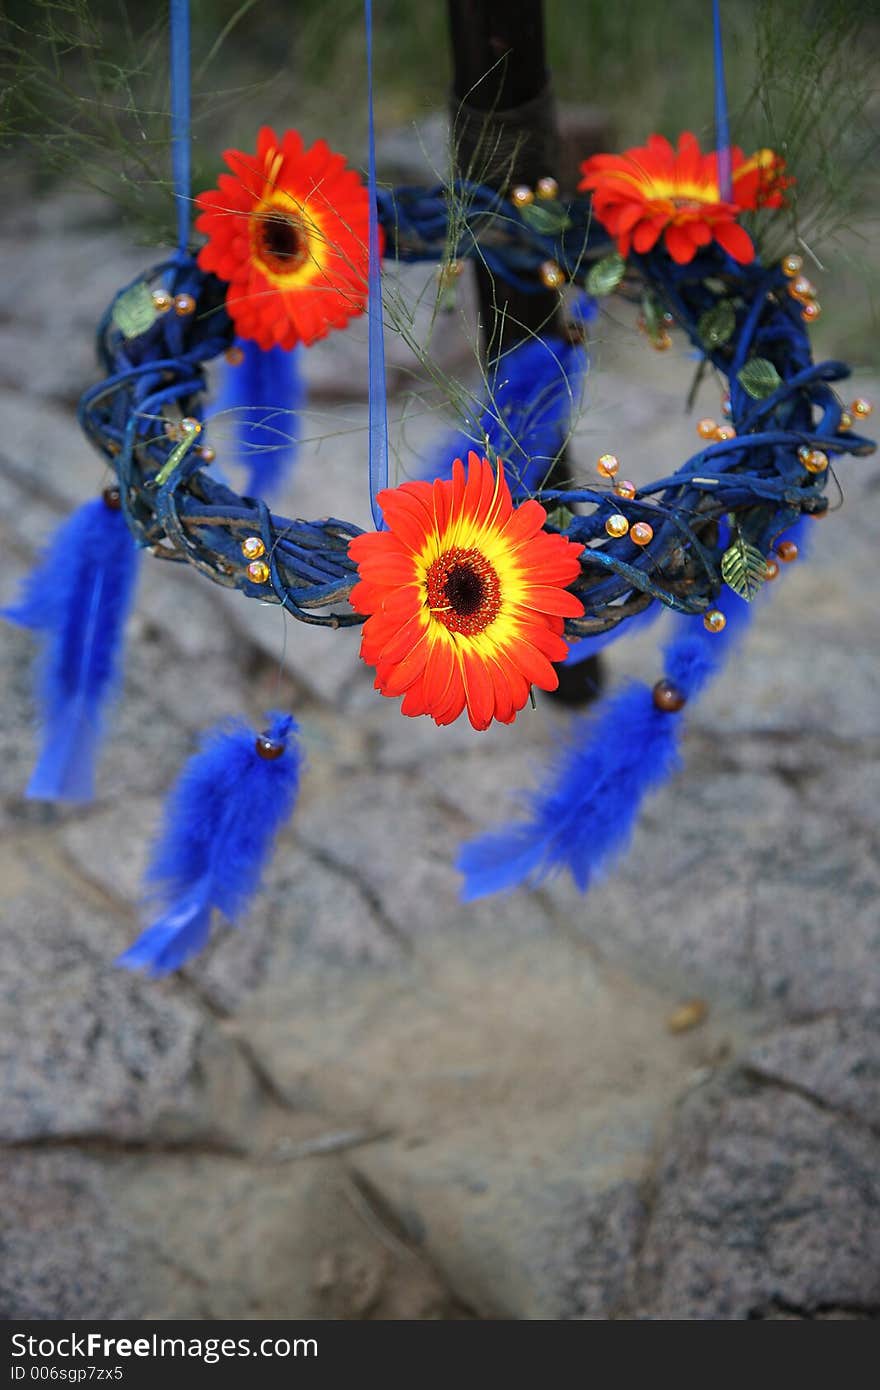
{"x":466,"y":596}
{"x":288,"y":230}
{"x":654,"y":191}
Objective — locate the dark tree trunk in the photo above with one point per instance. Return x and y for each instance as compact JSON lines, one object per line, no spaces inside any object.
{"x":505,"y":133}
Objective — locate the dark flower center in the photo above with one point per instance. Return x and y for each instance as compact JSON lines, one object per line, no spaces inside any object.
{"x":463,"y":591}
{"x":282,"y":245}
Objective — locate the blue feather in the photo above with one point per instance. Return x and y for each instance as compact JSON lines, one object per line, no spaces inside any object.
{"x":264,"y":394}
{"x":77,"y":599}
{"x":526,"y":414}
{"x":586,"y":812}
{"x":220,"y":821}
{"x":585,"y":815}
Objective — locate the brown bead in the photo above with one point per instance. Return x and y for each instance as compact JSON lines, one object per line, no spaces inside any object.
{"x":771,"y":570}
{"x":668,"y":697}
{"x":787,"y":551}
{"x":184,"y":304}
{"x":112,"y":498}
{"x":207,"y":454}
{"x":714,"y":620}
{"x":811,"y":311}
{"x":846,"y":422}
{"x":234,"y":355}
{"x":269,"y":748}
{"x":791,"y":265}
{"x":642,"y":533}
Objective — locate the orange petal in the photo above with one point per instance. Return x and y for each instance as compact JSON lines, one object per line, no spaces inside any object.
{"x":479,"y":689}
{"x":548,"y":599}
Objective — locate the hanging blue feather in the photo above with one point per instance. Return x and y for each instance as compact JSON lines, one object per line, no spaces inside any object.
{"x":533,"y":389}
{"x":585,"y":815}
{"x":77,"y":600}
{"x":220,"y":820}
{"x":263,"y":395}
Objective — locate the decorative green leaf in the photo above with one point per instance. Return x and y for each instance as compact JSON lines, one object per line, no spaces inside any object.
{"x":743,"y":568}
{"x":560,"y":517}
{"x":606,"y":275}
{"x":134,"y":311}
{"x":760,"y":378}
{"x":717,"y":325}
{"x":546,"y":218}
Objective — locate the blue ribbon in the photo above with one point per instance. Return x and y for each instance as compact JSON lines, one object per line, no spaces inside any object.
{"x":722,"y":123}
{"x":180,"y":117}
{"x":378,"y":420}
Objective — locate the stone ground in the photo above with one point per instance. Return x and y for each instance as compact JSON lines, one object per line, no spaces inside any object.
{"x":372,"y":1101}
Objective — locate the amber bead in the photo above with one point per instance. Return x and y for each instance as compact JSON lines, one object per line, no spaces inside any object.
{"x":189,"y":425}
{"x":112,"y":498}
{"x":668,"y":697}
{"x":792,"y":265}
{"x":252,"y":548}
{"x":642,"y":533}
{"x":552,"y":275}
{"x":547,"y":188}
{"x":771,"y":570}
{"x":714,"y":620}
{"x":663,"y":341}
{"x":521,"y":196}
{"x":816,"y":461}
{"x":787,"y":551}
{"x":861,"y":408}
{"x":624,"y":488}
{"x":846,"y":422}
{"x":725,"y":432}
{"x":207,"y":454}
{"x":184,"y":304}
{"x":706,"y":428}
{"x":234,"y":355}
{"x":616,"y":525}
{"x":802,"y":288}
{"x":269,"y":748}
{"x":258,"y":571}
{"x":607,"y":465}
{"x":162,"y":301}
{"x":811,"y":311}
